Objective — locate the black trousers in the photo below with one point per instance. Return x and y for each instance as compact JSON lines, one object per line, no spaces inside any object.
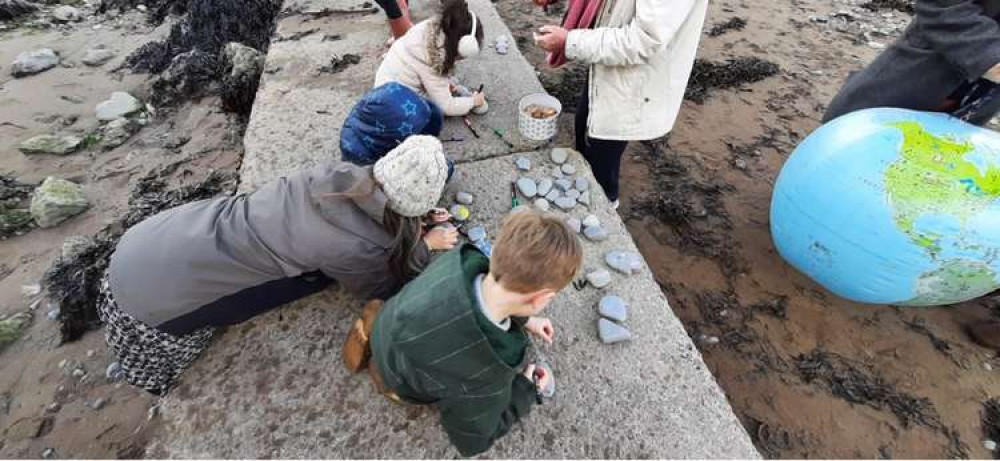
{"x":604,"y":156}
{"x":391,"y":8}
{"x":243,"y":305}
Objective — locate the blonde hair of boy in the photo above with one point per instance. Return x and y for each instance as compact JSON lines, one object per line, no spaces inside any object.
{"x":535,"y":252}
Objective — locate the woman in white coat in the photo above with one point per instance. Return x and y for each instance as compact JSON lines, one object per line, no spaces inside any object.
{"x":640,"y":54}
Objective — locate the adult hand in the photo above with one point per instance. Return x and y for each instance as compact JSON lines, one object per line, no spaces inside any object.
{"x":541,"y":327}
{"x":993,"y":74}
{"x":552,"y":38}
{"x":439,"y":215}
{"x":441,"y":238}
{"x":480,"y":98}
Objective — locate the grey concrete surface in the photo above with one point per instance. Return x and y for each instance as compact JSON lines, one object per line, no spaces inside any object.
{"x":299,"y":109}
{"x":275,"y":386}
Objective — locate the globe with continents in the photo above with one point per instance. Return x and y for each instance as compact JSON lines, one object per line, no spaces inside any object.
{"x":892,"y":206}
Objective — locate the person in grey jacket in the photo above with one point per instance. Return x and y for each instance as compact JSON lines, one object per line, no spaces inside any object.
{"x":948,"y":60}
{"x":178,"y":275}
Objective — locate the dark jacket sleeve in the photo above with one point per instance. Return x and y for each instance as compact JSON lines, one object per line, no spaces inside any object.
{"x":476,"y":419}
{"x":960,"y":31}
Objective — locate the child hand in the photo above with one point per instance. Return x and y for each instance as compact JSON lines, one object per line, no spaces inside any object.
{"x":479,"y":98}
{"x":441,"y":238}
{"x":541,"y":327}
{"x":543,"y":376}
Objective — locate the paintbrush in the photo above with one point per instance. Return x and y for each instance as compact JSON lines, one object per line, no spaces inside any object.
{"x":468,"y":124}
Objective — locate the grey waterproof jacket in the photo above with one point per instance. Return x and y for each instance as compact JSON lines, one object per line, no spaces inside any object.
{"x":948,"y":43}
{"x":181,"y":259}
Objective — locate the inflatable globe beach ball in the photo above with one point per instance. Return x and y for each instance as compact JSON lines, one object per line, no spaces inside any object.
{"x":892,"y":206}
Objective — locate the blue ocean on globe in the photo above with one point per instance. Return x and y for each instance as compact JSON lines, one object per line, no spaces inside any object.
{"x":892,"y":206}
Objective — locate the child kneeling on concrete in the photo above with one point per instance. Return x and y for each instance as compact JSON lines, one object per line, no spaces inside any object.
{"x":456,"y":336}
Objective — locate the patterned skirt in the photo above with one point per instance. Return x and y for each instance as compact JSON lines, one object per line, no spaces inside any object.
{"x":150,"y":358}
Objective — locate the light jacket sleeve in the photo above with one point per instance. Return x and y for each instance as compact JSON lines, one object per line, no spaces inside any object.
{"x":654,"y":26}
{"x":476,"y":419}
{"x":960,"y":31}
{"x":438,"y":90}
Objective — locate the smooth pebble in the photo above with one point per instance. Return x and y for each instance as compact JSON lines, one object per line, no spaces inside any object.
{"x":581,"y":184}
{"x":599,"y":278}
{"x":544,"y":186}
{"x":559,"y":155}
{"x":625,"y":262}
{"x":564,"y":184}
{"x":476,"y":233}
{"x":613,"y":308}
{"x":460,"y":212}
{"x":553,"y":195}
{"x":584,"y":198}
{"x":464,"y":198}
{"x":568,"y":169}
{"x":527,"y":187}
{"x":542,"y":204}
{"x":565,"y":203}
{"x":612,"y":332}
{"x":595,"y":233}
{"x":591,"y":221}
{"x":573,"y":194}
{"x":523,"y":164}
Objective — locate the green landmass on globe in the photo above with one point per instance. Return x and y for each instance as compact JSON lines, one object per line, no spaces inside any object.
{"x":933,"y":175}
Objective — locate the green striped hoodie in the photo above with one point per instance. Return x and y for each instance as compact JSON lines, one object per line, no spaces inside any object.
{"x":430,"y":349}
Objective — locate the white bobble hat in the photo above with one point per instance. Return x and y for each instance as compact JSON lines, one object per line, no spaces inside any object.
{"x":412,"y":175}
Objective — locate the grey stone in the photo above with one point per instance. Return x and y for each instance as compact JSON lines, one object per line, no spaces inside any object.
{"x":591,"y":221}
{"x":91,"y":353}
{"x":98,"y":403}
{"x":613,"y":307}
{"x":33,"y":62}
{"x":523,"y":164}
{"x":464,"y":198}
{"x":114,"y":372}
{"x":53,"y":314}
{"x":12,"y":326}
{"x":120,"y":104}
{"x":48,"y":453}
{"x":581,"y":183}
{"x":611,"y":332}
{"x":66,"y":13}
{"x":544,"y":186}
{"x":625,"y":262}
{"x":542,"y":204}
{"x":599,"y":278}
{"x":57,"y":200}
{"x":527,"y":187}
{"x":95,"y":57}
{"x":584,"y":198}
{"x":53,"y":407}
{"x":564,"y":184}
{"x":575,"y":225}
{"x":243,"y":60}
{"x":595,"y":233}
{"x":118,"y":132}
{"x":568,"y":169}
{"x":565,"y":203}
{"x":559,"y":155}
{"x":50,"y":144}
{"x":74,"y":244}
{"x":78,"y":373}
{"x":573,"y":194}
{"x":553,"y":195}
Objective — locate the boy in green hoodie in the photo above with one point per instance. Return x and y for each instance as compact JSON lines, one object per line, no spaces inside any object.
{"x":456,"y":336}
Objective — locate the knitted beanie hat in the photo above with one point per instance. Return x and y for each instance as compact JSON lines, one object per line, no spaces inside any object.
{"x":412,"y":175}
